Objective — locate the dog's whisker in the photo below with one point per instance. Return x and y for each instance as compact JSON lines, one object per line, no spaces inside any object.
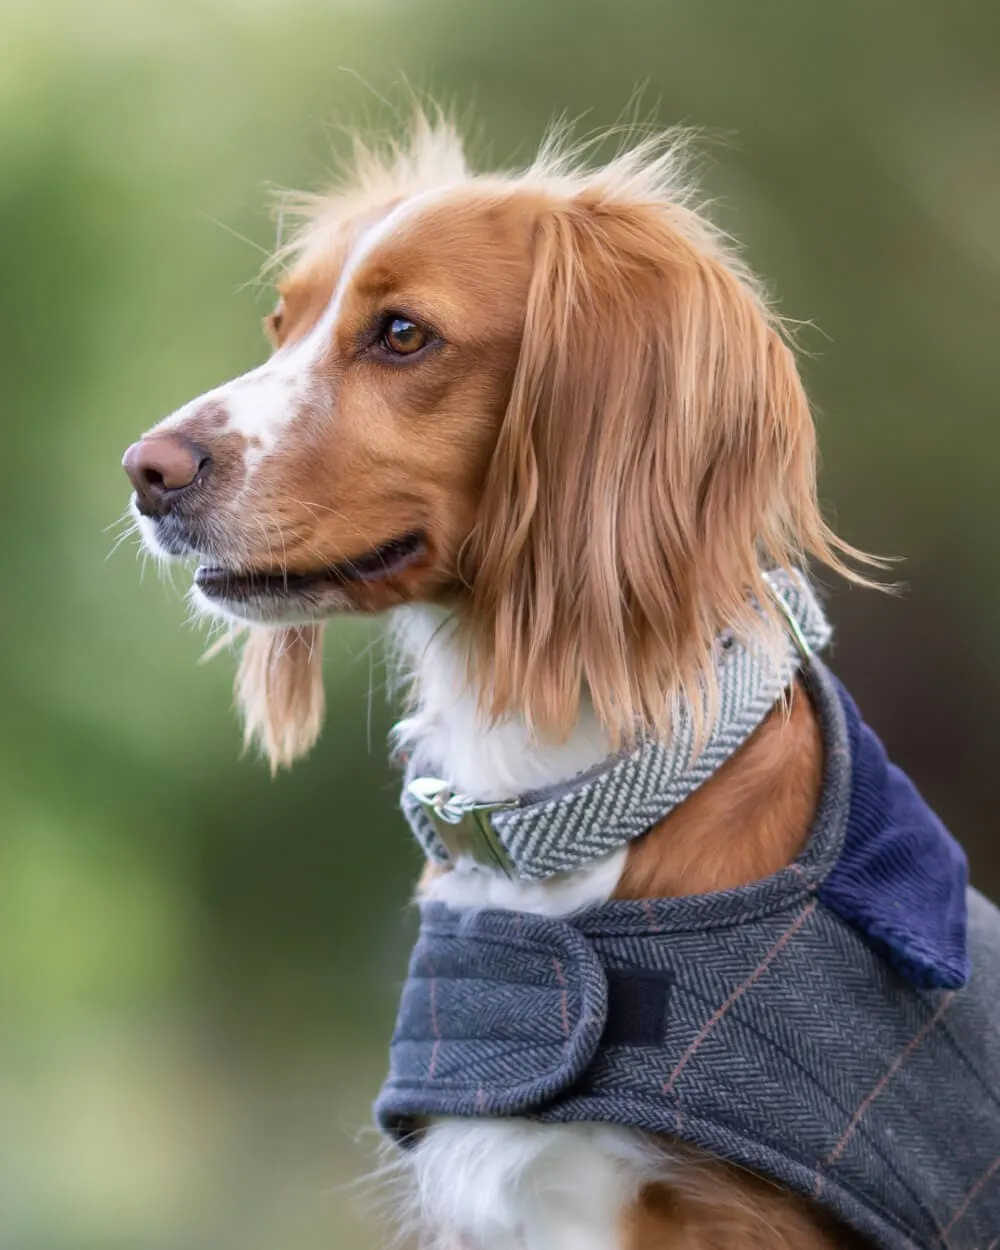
{"x":126,"y":518}
{"x":126,"y":534}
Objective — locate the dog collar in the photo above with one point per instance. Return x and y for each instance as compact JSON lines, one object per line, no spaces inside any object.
{"x":565,"y":827}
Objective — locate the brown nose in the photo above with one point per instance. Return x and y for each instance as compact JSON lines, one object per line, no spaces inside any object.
{"x":161,"y":468}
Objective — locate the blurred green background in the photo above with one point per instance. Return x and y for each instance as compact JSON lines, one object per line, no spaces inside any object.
{"x":198,"y":965}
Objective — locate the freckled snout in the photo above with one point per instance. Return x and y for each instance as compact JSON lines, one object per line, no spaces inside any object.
{"x":161,"y":468}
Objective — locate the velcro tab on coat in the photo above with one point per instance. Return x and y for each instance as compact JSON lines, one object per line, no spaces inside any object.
{"x":501,"y":1012}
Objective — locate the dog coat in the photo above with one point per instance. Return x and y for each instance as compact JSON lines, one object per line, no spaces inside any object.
{"x":835,"y":1027}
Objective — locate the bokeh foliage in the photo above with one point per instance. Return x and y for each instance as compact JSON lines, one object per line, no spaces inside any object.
{"x":197,"y":965}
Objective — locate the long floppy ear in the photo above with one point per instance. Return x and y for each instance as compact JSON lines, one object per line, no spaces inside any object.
{"x":657,"y":453}
{"x":279,"y":690}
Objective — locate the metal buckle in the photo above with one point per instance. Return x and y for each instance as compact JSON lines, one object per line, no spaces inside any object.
{"x":463,"y":825}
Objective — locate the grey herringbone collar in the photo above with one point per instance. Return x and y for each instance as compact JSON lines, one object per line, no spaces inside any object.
{"x":568,"y":826}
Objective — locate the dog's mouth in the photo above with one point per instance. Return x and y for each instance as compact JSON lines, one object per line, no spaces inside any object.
{"x":222,"y":584}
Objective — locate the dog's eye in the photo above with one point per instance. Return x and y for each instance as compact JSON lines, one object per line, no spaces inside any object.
{"x":403,"y":337}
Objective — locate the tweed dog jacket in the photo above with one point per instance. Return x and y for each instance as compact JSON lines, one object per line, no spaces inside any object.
{"x":835,"y":1027}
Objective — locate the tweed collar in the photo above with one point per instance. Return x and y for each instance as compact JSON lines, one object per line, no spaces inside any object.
{"x":565,"y":827}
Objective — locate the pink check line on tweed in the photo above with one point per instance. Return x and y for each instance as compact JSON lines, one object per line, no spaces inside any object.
{"x":968,"y":1200}
{"x":879,"y":1088}
{"x":738,"y":993}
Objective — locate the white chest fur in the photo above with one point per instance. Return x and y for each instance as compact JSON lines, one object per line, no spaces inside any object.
{"x":511,"y":1184}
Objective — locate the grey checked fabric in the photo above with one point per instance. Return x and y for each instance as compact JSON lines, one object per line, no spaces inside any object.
{"x":783,"y":1041}
{"x":559,"y":830}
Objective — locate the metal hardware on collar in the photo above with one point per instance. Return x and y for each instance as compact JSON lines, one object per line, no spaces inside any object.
{"x":463,"y":825}
{"x":794,"y":628}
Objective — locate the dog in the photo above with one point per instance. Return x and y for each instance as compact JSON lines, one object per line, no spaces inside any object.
{"x":548,"y":421}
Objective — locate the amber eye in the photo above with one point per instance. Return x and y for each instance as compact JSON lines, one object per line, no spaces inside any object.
{"x":403,"y":337}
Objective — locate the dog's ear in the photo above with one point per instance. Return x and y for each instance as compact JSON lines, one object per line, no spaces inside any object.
{"x":657,"y":453}
{"x":279,"y":691}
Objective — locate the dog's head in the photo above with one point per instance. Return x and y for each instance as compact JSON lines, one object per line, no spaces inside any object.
{"x":553,"y":400}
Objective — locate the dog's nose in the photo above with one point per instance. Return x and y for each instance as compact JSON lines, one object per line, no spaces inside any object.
{"x":161,"y":468}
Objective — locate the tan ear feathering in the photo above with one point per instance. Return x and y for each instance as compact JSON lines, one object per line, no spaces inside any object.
{"x":279,"y":691}
{"x":657,"y":454}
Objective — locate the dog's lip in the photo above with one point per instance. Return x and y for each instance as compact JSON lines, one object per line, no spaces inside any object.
{"x":219,"y":581}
